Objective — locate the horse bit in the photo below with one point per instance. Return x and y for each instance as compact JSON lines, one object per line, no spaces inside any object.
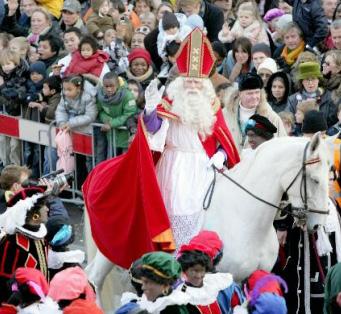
{"x":300,"y":213}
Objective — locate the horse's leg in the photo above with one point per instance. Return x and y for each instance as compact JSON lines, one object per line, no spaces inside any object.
{"x":97,"y":271}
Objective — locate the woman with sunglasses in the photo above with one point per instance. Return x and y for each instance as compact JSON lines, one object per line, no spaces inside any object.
{"x":331,"y":70}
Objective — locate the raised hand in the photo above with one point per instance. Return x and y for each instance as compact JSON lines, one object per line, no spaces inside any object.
{"x":153,"y":96}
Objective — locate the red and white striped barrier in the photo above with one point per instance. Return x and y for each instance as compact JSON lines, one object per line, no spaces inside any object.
{"x":35,"y":132}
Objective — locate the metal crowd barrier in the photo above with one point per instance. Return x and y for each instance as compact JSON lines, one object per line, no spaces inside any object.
{"x":44,"y":135}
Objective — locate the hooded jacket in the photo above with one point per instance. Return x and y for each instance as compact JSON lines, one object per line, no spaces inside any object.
{"x":97,"y":23}
{"x":278,"y":106}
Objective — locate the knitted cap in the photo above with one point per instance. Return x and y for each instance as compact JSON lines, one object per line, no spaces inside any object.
{"x":162,"y":265}
{"x":309,"y":69}
{"x":314,"y":121}
{"x":268,"y":64}
{"x":72,"y":6}
{"x":272,"y":14}
{"x":169,"y":21}
{"x":261,"y":47}
{"x":250,"y":81}
{"x":38,"y":67}
{"x":139,"y":53}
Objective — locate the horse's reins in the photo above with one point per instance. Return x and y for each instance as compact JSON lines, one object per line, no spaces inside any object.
{"x":297,"y":212}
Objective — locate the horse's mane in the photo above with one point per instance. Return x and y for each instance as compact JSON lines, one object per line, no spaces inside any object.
{"x":277,"y":144}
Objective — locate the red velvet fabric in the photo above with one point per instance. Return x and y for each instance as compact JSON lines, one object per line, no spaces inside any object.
{"x":125,"y":205}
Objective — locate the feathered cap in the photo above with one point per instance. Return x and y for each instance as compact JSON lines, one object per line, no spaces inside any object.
{"x":195,"y":57}
{"x":20,"y":204}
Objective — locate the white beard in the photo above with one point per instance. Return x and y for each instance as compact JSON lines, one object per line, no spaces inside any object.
{"x":193,"y":108}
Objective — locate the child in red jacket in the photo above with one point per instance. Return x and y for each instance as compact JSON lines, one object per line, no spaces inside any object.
{"x":88,"y":60}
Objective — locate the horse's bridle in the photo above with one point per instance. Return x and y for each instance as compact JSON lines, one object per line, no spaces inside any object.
{"x":298,"y":212}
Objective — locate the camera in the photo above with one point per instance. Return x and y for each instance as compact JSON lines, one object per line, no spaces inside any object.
{"x":56,"y":178}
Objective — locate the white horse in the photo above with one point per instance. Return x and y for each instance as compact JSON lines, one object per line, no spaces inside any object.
{"x":244,"y":223}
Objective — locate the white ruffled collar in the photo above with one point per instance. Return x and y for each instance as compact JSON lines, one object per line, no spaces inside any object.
{"x":208,"y":293}
{"x":37,"y":235}
{"x":177,"y":297}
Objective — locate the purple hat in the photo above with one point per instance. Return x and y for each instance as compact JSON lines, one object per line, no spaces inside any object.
{"x":272,"y":14}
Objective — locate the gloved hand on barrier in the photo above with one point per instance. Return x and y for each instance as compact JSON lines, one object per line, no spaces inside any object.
{"x":153,"y":96}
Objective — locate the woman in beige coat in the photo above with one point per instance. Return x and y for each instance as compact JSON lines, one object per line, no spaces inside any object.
{"x":240,"y":104}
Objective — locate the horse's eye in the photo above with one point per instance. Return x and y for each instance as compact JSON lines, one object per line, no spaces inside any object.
{"x":315,"y":181}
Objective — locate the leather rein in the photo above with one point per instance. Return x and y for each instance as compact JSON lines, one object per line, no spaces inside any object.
{"x":298,"y":212}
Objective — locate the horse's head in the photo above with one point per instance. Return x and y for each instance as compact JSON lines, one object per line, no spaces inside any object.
{"x":308,"y":182}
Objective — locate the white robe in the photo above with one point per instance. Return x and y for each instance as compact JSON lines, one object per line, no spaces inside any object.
{"x":183,"y":177}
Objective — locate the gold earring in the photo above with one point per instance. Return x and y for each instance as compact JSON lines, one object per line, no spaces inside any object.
{"x":165,"y":291}
{"x":36,"y":217}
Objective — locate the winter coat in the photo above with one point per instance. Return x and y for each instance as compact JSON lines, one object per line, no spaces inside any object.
{"x":332,"y":289}
{"x":13,"y":91}
{"x":115,"y":111}
{"x":278,"y":106}
{"x":48,"y":113}
{"x":80,"y":113}
{"x":334,"y":86}
{"x":324,"y":102}
{"x":96,"y":23}
{"x":79,"y":24}
{"x":231,"y":113}
{"x":255,"y":32}
{"x":150,"y":43}
{"x":93,"y":65}
{"x":213,"y":18}
{"x":311,"y":19}
{"x":33,"y":94}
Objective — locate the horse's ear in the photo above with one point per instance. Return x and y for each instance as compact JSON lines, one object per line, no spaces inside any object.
{"x":315,"y":142}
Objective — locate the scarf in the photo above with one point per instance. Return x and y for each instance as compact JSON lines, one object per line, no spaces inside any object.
{"x":141,"y":78}
{"x":111,"y":100}
{"x":291,"y":56}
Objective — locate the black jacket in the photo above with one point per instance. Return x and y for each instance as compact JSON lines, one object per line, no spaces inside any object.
{"x":213,"y":20}
{"x":310,"y":17}
{"x":13,"y":91}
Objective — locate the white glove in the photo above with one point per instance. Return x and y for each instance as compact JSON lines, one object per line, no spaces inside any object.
{"x":217,"y":160}
{"x":153,"y":96}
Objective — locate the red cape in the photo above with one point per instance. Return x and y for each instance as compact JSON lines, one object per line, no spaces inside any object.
{"x":126,"y":210}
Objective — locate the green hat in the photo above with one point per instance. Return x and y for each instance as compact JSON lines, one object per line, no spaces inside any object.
{"x":309,"y":69}
{"x":162,"y":265}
